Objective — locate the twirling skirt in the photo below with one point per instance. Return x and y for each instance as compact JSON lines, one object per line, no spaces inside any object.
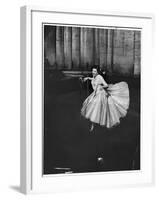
{"x":107,"y":107}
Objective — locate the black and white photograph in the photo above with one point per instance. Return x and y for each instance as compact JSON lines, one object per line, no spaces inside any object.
{"x":91,"y":98}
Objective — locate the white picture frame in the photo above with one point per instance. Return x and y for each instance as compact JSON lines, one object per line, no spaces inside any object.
{"x":32,"y":179}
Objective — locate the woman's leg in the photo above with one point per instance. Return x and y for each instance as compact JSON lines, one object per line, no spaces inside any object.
{"x":92,"y":127}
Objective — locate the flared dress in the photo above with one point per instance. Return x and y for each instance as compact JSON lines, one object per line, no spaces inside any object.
{"x":105,"y":106}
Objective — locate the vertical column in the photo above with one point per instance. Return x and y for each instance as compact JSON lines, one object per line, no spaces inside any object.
{"x":102,"y":48}
{"x":128,"y":65}
{"x":75,"y":47}
{"x":60,"y":47}
{"x":109,"y":51}
{"x":50,"y":44}
{"x":96,"y":46}
{"x":137,"y":52}
{"x":82,"y":47}
{"x":68,"y":47}
{"x":106,"y":38}
{"x":89,"y":48}
{"x":112,"y":50}
{"x":123,"y":63}
{"x":118,"y":51}
{"x":88,"y":44}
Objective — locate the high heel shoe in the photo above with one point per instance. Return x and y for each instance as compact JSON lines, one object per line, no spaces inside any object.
{"x":92,"y":128}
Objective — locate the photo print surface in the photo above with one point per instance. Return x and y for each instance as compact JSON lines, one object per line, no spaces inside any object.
{"x":91,"y":78}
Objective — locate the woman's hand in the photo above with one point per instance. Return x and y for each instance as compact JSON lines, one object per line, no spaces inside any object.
{"x":81,"y":78}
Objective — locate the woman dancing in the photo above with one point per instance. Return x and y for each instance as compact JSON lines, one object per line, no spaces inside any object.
{"x":107,"y":103}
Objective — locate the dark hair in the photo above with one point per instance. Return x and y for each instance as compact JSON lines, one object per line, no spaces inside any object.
{"x":97,"y":68}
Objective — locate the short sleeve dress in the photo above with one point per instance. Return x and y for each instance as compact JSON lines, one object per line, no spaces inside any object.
{"x":106,"y":106}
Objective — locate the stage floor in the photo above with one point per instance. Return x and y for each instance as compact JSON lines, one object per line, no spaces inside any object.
{"x":69,"y":147}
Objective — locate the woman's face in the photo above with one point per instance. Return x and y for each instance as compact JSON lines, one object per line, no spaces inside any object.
{"x":94,"y":72}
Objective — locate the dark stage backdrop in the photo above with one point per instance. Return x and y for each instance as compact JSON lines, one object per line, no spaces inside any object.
{"x":79,"y":48}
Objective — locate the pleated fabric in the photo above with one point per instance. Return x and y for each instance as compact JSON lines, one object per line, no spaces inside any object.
{"x":106,"y":107}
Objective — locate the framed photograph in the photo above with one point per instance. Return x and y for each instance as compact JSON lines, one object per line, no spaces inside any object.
{"x":86,"y":100}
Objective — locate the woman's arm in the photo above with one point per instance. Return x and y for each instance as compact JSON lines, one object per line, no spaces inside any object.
{"x":87,"y":78}
{"x":104,"y":86}
{"x":103,"y":83}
